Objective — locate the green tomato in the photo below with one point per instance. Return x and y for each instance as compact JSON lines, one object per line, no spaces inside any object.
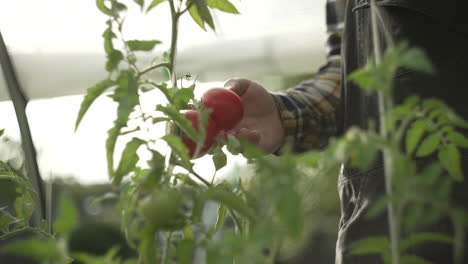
{"x":163,"y":209}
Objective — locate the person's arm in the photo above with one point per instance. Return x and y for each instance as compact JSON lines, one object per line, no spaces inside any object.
{"x":305,"y":115}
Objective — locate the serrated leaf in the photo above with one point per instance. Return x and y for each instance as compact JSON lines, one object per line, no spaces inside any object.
{"x":414,"y":134}
{"x":223,"y":5}
{"x":24,"y":207}
{"x":111,"y":140}
{"x":178,"y":146}
{"x":103,"y":8}
{"x":38,"y":249}
{"x":126,"y":95}
{"x":142,"y":45}
{"x":68,"y":216}
{"x":156,"y":170}
{"x":154,"y":4}
{"x":6,"y":219}
{"x":230,"y":200}
{"x":428,"y":145}
{"x":419,"y":238}
{"x":113,"y":60}
{"x":219,"y":159}
{"x":1,"y":132}
{"x":180,"y":120}
{"x":370,"y":245}
{"x":182,"y":96}
{"x":108,"y":35}
{"x":91,"y":94}
{"x":449,"y":156}
{"x":185,"y":251}
{"x":416,"y":59}
{"x":129,"y":159}
{"x":458,"y":139}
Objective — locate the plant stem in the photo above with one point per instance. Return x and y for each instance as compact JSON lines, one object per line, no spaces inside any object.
{"x":164,"y":64}
{"x":174,"y":36}
{"x":385,"y":101}
{"x":166,"y":248}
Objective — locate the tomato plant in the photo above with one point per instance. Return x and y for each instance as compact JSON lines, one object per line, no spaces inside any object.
{"x":227,"y":107}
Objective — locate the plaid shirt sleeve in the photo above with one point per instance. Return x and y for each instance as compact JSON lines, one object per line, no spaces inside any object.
{"x":308,"y":111}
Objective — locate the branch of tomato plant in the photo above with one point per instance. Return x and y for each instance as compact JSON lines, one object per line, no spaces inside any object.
{"x":163,"y":64}
{"x":167,"y":243}
{"x":385,"y":101}
{"x":174,"y":37}
{"x":26,"y":229}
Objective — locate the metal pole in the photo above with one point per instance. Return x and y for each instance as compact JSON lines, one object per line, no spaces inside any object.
{"x":20,"y":102}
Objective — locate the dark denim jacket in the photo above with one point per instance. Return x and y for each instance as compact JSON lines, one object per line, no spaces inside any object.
{"x":440,"y":28}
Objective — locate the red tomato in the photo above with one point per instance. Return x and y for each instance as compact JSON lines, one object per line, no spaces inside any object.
{"x":226,"y":105}
{"x":211,"y":132}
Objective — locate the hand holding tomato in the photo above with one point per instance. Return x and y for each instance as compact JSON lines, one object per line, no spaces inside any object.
{"x":261,"y":123}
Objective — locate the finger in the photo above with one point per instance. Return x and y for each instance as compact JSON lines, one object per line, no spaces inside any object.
{"x":239,"y":86}
{"x":252,"y":136}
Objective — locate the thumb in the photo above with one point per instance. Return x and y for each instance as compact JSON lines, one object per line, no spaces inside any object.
{"x":239,"y":86}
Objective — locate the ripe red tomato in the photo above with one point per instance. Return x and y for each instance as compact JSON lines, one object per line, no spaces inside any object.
{"x":226,"y":105}
{"x":210,"y":138}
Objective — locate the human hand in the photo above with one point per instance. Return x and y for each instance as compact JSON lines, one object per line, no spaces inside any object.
{"x":261,"y":124}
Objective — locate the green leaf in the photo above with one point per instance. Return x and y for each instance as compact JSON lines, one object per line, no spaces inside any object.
{"x":111,"y":140}
{"x":6,"y":219}
{"x":113,"y":60}
{"x":129,"y":159}
{"x":154,"y":4}
{"x":370,"y":245}
{"x":182,"y":96}
{"x":180,"y":120}
{"x":1,"y":132}
{"x":429,"y":145}
{"x":68,"y":216}
{"x":156,"y":171}
{"x":185,"y":251}
{"x":449,"y":156}
{"x":221,"y":217}
{"x":230,"y":200}
{"x":223,"y":5}
{"x":103,"y":8}
{"x":419,"y":238}
{"x":193,"y":11}
{"x":142,"y":45}
{"x":178,"y":147}
{"x":141,"y":3}
{"x":414,"y":135}
{"x":108,"y":35}
{"x":24,"y":207}
{"x":416,"y":59}
{"x":219,"y":159}
{"x":204,"y":12}
{"x":378,"y":207}
{"x":126,"y":95}
{"x":458,"y":139}
{"x":38,"y":249}
{"x":412,"y":259}
{"x":91,"y":95}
